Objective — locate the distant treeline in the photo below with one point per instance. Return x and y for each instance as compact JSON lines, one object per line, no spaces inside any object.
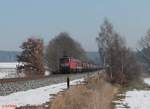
{"x":10,"y":56}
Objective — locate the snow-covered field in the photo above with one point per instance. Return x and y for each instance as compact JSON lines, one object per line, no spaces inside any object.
{"x":8,"y":70}
{"x":33,"y":97}
{"x":136,"y":99}
{"x":8,"y":65}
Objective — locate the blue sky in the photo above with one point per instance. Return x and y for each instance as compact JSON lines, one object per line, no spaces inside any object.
{"x":20,"y":19}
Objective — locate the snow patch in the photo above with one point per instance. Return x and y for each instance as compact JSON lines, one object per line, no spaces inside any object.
{"x":8,"y":70}
{"x":136,"y":99}
{"x":35,"y":96}
{"x":8,"y":75}
{"x":47,"y":73}
{"x":8,"y":65}
{"x":147,"y":81}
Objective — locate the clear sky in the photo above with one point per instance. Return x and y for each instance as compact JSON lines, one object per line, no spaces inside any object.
{"x":20,"y":19}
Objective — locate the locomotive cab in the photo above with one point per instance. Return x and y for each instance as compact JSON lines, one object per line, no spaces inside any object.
{"x":64,"y":64}
{"x":70,"y":65}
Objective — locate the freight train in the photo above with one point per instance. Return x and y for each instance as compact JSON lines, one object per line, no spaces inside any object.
{"x":71,"y":65}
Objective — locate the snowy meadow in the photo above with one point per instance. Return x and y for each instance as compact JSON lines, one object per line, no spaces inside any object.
{"x":136,"y":99}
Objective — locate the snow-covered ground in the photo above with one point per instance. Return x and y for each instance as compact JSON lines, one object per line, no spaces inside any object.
{"x":33,"y":97}
{"x":8,"y":65}
{"x":136,"y":99}
{"x":8,"y":70}
{"x":147,"y":81}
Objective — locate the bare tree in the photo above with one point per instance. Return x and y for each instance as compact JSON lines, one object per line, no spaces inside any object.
{"x":117,"y":58}
{"x":105,"y":39}
{"x":31,"y":58}
{"x":145,"y":50}
{"x":60,"y":46}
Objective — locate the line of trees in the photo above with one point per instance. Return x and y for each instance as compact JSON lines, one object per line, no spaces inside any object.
{"x":119,"y":60}
{"x":33,"y":59}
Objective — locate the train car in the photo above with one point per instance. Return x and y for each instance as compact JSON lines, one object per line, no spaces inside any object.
{"x":70,"y":65}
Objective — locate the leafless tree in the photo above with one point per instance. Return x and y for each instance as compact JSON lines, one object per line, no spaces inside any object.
{"x":117,"y":58}
{"x":63,"y":45}
{"x":31,"y":58}
{"x":144,"y":50}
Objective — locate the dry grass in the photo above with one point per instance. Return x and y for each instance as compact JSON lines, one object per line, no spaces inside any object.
{"x":96,"y":94}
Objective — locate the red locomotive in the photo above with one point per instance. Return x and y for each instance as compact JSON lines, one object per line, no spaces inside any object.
{"x":72,"y":65}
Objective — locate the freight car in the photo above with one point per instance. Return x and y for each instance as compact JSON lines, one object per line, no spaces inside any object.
{"x":72,"y":65}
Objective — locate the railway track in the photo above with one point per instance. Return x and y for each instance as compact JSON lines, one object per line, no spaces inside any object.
{"x":8,"y":86}
{"x":8,"y":80}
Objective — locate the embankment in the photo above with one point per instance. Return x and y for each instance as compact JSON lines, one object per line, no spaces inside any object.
{"x":96,"y":93}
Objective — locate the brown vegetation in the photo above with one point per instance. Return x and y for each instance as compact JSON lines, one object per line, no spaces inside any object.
{"x":95,"y":94}
{"x":31,"y":58}
{"x":122,"y":66}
